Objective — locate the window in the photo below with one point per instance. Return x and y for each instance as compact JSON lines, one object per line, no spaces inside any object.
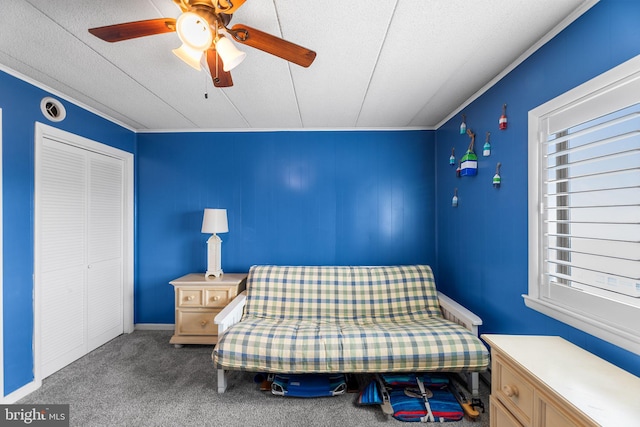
{"x":584,"y":207}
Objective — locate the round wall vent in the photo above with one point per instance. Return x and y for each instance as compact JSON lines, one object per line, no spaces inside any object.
{"x":53,"y":109}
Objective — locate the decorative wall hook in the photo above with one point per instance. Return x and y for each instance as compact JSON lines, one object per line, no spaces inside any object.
{"x":502,"y":123}
{"x":486,"y":150}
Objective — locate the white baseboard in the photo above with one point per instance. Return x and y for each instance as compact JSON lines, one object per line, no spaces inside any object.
{"x":154,"y":326}
{"x":23,"y":391}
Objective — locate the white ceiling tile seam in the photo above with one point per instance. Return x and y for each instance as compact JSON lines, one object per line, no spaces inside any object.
{"x":293,"y":84}
{"x":375,"y":64}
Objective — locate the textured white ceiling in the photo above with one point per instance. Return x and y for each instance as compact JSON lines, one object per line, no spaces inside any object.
{"x":379,"y":64}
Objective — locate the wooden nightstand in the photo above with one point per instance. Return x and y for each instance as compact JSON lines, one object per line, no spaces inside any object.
{"x":198,"y":300}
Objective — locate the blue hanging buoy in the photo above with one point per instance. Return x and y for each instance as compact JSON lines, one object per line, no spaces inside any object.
{"x":454,"y":201}
{"x":452,"y":158}
{"x":463,"y":125}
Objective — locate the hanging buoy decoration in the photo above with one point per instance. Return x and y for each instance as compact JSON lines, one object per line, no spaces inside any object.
{"x":496,"y":178}
{"x":486,"y":149}
{"x":454,"y":201}
{"x":459,"y":169}
{"x":452,"y":158}
{"x":463,"y":125}
{"x":502,"y":123}
{"x":469,"y":162}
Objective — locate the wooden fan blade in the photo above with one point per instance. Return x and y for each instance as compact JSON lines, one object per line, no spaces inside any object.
{"x":273,"y":45}
{"x":220,"y":77}
{"x":228,"y":6}
{"x":132,"y":30}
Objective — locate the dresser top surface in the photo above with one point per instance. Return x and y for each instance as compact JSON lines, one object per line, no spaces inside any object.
{"x":606,"y":393}
{"x":198,"y":279}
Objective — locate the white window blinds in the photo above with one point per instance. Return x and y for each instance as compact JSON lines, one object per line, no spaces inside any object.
{"x":592,"y":203}
{"x":584,"y":207}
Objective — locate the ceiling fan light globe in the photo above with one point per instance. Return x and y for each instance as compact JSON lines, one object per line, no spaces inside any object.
{"x":194,"y":31}
{"x":231,"y":56}
{"x":190,"y":56}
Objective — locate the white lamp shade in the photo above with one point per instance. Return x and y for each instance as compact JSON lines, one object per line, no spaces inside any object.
{"x":231,"y":56}
{"x":194,"y":31}
{"x":215,"y":221}
{"x":191,"y":56}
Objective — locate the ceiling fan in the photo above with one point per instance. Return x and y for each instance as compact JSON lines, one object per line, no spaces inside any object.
{"x":203,"y":29}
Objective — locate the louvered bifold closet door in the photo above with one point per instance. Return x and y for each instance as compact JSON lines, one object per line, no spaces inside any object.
{"x":80,"y":221}
{"x":62,"y":196}
{"x":104,"y":284}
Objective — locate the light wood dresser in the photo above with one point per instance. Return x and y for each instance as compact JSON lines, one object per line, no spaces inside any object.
{"x":545,"y":381}
{"x":198,"y":300}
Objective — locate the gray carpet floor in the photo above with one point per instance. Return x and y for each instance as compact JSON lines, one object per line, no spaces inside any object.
{"x":140,"y":379}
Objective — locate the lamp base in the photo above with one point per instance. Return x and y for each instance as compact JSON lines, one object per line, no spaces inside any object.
{"x":217,"y":273}
{"x":214,"y":267}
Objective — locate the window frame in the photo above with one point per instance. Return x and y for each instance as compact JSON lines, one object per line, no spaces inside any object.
{"x":613,"y":320}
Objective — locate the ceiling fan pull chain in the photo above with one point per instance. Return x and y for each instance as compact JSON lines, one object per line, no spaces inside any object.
{"x":206,"y":87}
{"x":217,"y":78}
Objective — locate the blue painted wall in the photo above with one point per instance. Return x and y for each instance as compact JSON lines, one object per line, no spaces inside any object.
{"x":20,"y":103}
{"x":291,"y":197}
{"x":482,"y":244}
{"x":325,"y":197}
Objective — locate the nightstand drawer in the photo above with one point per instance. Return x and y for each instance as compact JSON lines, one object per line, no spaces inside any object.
{"x":513,"y":390}
{"x":196,"y":322}
{"x":189,"y":298}
{"x":217,"y":297}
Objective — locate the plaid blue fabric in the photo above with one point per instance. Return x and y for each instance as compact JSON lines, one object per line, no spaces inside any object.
{"x":395,"y":293}
{"x":346,"y":319}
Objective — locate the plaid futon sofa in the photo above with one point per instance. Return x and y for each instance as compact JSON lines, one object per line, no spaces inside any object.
{"x":329,"y":319}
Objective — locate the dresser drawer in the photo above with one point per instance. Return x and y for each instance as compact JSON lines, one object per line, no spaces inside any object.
{"x":217,"y":297}
{"x":189,"y":297}
{"x":196,"y":322}
{"x":513,"y":390}
{"x":501,"y":417}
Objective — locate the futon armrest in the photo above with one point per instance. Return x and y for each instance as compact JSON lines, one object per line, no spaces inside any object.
{"x":231,"y":314}
{"x":455,"y":312}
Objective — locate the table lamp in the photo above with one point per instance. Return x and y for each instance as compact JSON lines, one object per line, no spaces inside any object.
{"x":214,"y":221}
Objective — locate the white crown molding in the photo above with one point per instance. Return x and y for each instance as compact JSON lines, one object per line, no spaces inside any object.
{"x":61,"y":95}
{"x":588,"y":4}
{"x":243,"y":130}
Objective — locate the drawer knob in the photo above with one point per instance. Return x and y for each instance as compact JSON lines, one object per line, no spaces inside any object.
{"x":204,"y":322}
{"x":216,"y":298}
{"x":190,"y":298}
{"x":510,"y":390}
